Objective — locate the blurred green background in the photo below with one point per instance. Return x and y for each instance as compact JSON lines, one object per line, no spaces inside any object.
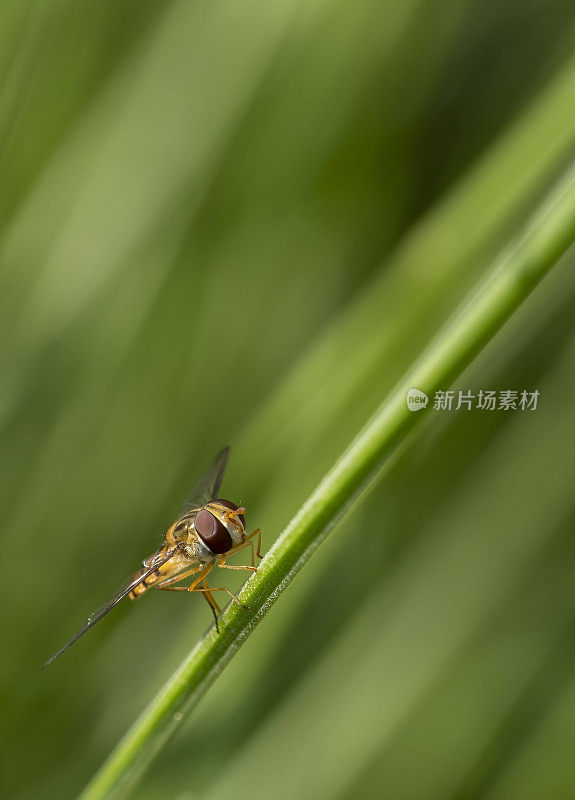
{"x":227,"y":222}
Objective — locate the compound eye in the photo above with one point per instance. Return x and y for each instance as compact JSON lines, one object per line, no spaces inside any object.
{"x":212,"y":533}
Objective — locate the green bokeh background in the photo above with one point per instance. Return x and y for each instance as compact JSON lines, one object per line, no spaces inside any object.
{"x":227,"y":222}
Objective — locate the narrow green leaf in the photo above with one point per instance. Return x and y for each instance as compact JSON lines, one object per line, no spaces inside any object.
{"x":546,"y":236}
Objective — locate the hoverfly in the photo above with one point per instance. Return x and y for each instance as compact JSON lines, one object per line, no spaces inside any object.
{"x":207,"y":531}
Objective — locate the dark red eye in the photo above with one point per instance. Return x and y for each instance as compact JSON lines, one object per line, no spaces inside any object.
{"x":212,"y":533}
{"x":234,"y":507}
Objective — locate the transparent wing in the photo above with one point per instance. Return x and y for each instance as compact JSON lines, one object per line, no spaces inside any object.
{"x":122,"y":592}
{"x":209,"y":485}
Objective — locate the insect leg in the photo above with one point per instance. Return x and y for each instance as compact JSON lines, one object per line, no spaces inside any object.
{"x":207,"y":590}
{"x":166,"y":584}
{"x":212,"y":603}
{"x":219,"y":589}
{"x":259,"y":535}
{"x":248,"y":543}
{"x":223,"y":564}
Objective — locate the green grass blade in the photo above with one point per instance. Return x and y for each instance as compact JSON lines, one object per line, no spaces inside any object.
{"x":547,"y":235}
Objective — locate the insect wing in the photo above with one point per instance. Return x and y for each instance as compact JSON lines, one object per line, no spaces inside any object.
{"x":209,"y":485}
{"x":122,"y":592}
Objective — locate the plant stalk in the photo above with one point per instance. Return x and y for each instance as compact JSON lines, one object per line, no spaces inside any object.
{"x":546,"y":236}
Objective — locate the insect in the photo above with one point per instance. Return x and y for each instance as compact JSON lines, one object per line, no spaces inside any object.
{"x":207,"y":531}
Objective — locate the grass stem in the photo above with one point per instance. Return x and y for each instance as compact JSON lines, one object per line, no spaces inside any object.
{"x":546,"y":236}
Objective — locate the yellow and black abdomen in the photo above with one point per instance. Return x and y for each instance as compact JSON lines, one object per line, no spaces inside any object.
{"x":149,"y":576}
{"x":146,"y":583}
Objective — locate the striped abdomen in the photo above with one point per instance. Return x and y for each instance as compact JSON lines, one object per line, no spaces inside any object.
{"x":159,"y":573}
